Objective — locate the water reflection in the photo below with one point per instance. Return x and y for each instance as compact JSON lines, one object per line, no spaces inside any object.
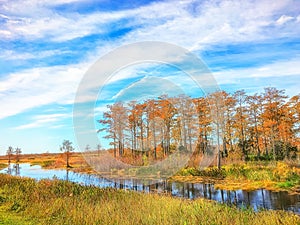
{"x":13,"y":169}
{"x":259,"y":199}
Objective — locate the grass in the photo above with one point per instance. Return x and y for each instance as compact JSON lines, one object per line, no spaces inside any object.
{"x":53,"y":161}
{"x":9,"y":218}
{"x":26,"y":201}
{"x":3,"y":165}
{"x":276,"y":176}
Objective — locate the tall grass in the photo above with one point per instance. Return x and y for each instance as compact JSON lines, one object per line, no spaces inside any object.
{"x":252,"y":175}
{"x":60,"y":202}
{"x":3,"y":165}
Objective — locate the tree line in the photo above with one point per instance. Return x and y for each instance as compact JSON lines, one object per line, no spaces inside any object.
{"x":259,"y":126}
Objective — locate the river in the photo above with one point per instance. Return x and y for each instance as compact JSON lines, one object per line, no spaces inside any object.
{"x":258,"y":199}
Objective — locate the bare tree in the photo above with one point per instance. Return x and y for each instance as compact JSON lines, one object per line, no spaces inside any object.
{"x":67,"y":148}
{"x":98,"y":149}
{"x":18,"y":153}
{"x":9,"y":153}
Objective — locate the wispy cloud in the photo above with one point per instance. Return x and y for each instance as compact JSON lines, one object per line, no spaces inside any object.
{"x":284,"y":19}
{"x":48,"y":46}
{"x":43,"y":120}
{"x":13,"y":55}
{"x":207,"y":22}
{"x":276,"y":69}
{"x":36,"y":87}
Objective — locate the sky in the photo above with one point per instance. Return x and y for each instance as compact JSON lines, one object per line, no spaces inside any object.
{"x":47,"y":47}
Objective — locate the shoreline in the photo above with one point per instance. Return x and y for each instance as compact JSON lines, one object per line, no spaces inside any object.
{"x":219,"y":183}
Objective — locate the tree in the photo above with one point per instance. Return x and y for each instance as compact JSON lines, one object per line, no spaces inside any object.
{"x":153,"y":113}
{"x":167,"y":115}
{"x":98,"y":149}
{"x":139,"y":115}
{"x":67,"y":148}
{"x":273,"y":111}
{"x":9,"y":153}
{"x":228,"y":123}
{"x":87,"y":148}
{"x":241,"y":124}
{"x":294,"y":108}
{"x":217,"y":106}
{"x":240,"y":121}
{"x":133,"y":121}
{"x":255,"y":122}
{"x":116,"y":122}
{"x":18,"y":153}
{"x":204,"y":123}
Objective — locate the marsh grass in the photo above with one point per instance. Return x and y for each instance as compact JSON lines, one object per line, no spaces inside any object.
{"x":43,"y":164}
{"x":3,"y":165}
{"x":248,"y":176}
{"x":61,"y":202}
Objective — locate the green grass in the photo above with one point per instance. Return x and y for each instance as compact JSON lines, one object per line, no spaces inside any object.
{"x":25,"y":201}
{"x":249,"y":176}
{"x":9,"y":218}
{"x":43,"y":164}
{"x":2,"y":166}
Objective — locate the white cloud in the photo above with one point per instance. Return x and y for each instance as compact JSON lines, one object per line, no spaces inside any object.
{"x":284,"y":19}
{"x":277,"y":69}
{"x":43,"y":120}
{"x":40,"y":86}
{"x":13,"y":55}
{"x":146,"y":88}
{"x":40,"y":21}
{"x":211,"y":21}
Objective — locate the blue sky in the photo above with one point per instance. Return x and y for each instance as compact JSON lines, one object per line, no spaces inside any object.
{"x":47,"y":47}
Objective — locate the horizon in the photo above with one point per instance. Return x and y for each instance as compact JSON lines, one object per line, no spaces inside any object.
{"x":48,"y":48}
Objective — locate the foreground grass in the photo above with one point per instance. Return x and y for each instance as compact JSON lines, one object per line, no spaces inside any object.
{"x":26,"y":201}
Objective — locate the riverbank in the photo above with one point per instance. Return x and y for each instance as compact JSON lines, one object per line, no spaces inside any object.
{"x":273,"y":176}
{"x":61,"y":202}
{"x":269,"y":175}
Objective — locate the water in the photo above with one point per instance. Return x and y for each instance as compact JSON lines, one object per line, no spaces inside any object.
{"x":258,"y":199}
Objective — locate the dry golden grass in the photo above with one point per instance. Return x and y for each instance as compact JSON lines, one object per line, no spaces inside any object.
{"x":25,"y":201}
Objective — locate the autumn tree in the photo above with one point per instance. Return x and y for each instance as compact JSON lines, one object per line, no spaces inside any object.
{"x":246,"y":125}
{"x":217,"y":106}
{"x":241,"y":119}
{"x":255,"y":123}
{"x":133,"y":125}
{"x":154,"y":115}
{"x":274,"y":100}
{"x":294,"y":108}
{"x":204,"y":123}
{"x":168,"y":112}
{"x":228,"y":122}
{"x":141,"y":127}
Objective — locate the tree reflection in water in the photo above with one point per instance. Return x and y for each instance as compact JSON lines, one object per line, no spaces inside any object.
{"x":258,"y":199}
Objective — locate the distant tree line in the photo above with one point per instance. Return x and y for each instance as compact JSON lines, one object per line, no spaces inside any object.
{"x":257,"y":126}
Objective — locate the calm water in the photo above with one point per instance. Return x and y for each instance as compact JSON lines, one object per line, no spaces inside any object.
{"x":259,"y":199}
